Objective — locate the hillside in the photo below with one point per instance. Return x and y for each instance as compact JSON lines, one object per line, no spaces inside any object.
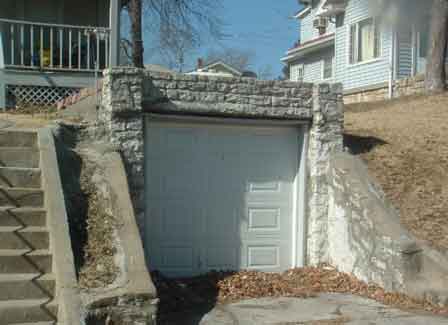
{"x":405,"y":144}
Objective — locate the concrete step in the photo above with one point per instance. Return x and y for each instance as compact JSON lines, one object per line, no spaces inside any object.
{"x":25,"y":217}
{"x":25,"y":261}
{"x":27,"y":311}
{"x":20,"y":177}
{"x":19,"y":157}
{"x":26,"y":286}
{"x":38,"y":323}
{"x":24,"y":238}
{"x":21,"y":197}
{"x":18,"y":139}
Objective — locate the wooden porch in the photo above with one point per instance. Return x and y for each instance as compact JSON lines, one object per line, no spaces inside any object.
{"x":43,"y":60}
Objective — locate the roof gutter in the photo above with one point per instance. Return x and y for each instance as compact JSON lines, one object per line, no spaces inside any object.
{"x":309,"y":48}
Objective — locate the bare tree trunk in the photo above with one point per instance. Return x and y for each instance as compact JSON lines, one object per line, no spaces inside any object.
{"x":135,"y":14}
{"x":435,"y":67}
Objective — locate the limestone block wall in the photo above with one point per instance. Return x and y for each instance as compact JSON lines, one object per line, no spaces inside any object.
{"x":129,"y":94}
{"x":402,"y":87}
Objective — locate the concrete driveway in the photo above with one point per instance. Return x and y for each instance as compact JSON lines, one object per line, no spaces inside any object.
{"x":325,"y":309}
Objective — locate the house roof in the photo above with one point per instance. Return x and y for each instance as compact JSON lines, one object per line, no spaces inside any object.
{"x":302,"y":13}
{"x":308,"y":47}
{"x":157,"y":68}
{"x":226,"y":66}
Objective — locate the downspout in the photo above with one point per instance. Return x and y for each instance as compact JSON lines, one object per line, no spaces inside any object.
{"x":392,"y":65}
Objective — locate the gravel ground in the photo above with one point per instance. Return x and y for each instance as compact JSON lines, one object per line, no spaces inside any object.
{"x":405,"y":144}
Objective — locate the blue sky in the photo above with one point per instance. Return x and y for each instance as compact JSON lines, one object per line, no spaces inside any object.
{"x":262,"y":26}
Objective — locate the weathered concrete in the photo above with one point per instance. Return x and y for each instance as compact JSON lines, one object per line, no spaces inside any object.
{"x":70,"y":308}
{"x":20,"y":177}
{"x":130,"y":93}
{"x":132,"y":298}
{"x":324,"y":309}
{"x":367,"y":239}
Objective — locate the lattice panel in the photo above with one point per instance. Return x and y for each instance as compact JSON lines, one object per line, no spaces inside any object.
{"x":24,"y":96}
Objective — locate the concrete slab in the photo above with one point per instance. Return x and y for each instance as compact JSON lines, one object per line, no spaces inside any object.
{"x":324,"y":309}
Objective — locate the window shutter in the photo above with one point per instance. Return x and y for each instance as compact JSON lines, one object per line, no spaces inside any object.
{"x":352,"y":40}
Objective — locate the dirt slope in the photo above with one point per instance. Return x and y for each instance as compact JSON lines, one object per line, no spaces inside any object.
{"x":405,"y":144}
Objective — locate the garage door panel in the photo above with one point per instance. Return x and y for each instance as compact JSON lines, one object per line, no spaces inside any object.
{"x":264,"y":219}
{"x":221,"y":219}
{"x":178,"y":220}
{"x":182,"y":178}
{"x":272,"y":257}
{"x":221,"y":256}
{"x":174,"y":260}
{"x":223,"y":200}
{"x":233,"y":178}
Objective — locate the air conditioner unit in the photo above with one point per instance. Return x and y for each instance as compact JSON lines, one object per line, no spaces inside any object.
{"x":320,"y":23}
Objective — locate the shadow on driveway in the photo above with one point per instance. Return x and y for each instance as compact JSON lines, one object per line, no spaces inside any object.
{"x":186,"y":301}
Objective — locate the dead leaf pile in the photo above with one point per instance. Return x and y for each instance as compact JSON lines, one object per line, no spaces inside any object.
{"x":99,"y":268}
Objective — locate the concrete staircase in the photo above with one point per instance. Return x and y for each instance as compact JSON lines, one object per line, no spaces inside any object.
{"x":27,"y":282}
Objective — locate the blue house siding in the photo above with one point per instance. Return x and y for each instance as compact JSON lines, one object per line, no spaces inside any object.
{"x":406,"y":60}
{"x":308,"y":32}
{"x":313,"y":65}
{"x":365,"y":73}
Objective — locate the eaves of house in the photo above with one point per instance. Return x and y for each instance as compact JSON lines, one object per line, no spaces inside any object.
{"x":308,"y":47}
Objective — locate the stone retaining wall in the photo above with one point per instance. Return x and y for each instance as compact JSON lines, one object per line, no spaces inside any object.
{"x":402,"y":87}
{"x":129,"y":94}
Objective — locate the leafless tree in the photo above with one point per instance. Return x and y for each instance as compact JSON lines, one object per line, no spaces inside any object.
{"x":135,"y":15}
{"x":435,"y":66}
{"x":186,"y":22}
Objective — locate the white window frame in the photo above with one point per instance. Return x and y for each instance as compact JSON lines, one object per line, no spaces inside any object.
{"x":298,"y":67}
{"x":356,"y":60}
{"x":332,"y":67}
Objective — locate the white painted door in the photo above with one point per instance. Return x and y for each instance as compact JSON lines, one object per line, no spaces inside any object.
{"x":220,"y":197}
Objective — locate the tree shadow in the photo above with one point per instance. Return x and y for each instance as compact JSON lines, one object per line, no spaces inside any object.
{"x":357,"y":144}
{"x":187,"y":300}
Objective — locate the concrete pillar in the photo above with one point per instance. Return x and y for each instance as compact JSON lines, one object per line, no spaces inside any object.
{"x":114,"y":25}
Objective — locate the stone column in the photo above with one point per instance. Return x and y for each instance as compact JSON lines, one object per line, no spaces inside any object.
{"x":325,"y":137}
{"x":122,"y":118}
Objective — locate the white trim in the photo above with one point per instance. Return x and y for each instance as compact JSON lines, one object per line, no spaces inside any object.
{"x":323,"y":68}
{"x":300,"y":189}
{"x":365,"y":62}
{"x":326,"y":41}
{"x":223,"y":120}
{"x":414,"y":51}
{"x":302,"y":13}
{"x":356,"y":42}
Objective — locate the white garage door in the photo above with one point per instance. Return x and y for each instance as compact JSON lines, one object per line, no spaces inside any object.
{"x":220,"y":197}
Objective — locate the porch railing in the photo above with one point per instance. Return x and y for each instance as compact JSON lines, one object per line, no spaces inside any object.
{"x":42,"y":46}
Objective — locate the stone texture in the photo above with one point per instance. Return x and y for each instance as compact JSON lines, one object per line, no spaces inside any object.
{"x":130,"y":93}
{"x":402,"y":87}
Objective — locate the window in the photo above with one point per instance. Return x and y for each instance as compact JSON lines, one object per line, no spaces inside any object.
{"x":423,"y":41}
{"x":296,"y":71}
{"x":365,"y":41}
{"x":327,"y":69}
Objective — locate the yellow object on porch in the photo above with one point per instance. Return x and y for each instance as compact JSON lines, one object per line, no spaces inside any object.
{"x":46,"y":58}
